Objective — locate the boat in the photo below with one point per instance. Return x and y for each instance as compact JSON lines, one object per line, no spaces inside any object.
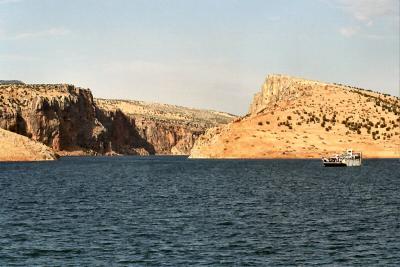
{"x":349,"y":158}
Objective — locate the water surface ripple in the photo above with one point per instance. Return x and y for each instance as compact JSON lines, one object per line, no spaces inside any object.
{"x":171,"y":211}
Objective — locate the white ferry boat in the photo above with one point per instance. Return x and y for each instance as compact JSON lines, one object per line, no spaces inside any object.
{"x":346,"y":159}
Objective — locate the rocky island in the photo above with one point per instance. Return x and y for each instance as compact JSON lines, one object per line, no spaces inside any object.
{"x":298,"y":118}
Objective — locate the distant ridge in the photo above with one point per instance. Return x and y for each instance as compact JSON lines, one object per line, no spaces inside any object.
{"x":11,"y":82}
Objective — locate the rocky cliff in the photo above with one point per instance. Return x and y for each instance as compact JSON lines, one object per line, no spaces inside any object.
{"x":279,"y":87}
{"x":298,"y":118}
{"x":67,"y":119}
{"x":170,"y":129}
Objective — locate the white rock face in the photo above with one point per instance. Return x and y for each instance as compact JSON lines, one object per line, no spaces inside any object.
{"x":279,"y":87}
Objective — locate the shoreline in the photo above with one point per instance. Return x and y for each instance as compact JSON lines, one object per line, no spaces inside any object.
{"x":183,"y":156}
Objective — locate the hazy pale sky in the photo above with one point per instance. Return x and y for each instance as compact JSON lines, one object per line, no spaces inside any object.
{"x":200,"y":53}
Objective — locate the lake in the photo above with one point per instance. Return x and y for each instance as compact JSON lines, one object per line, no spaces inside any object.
{"x":173,"y":211}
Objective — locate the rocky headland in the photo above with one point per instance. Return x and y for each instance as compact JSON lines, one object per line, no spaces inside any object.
{"x":298,"y":118}
{"x":68,"y":120}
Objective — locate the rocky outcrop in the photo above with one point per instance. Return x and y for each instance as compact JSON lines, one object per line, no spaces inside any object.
{"x":278,"y":87}
{"x":298,"y":118}
{"x":15,"y":147}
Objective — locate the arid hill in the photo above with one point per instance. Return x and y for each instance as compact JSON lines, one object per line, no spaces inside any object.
{"x":15,"y":147}
{"x":298,"y":118}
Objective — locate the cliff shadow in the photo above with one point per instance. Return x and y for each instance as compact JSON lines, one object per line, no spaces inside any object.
{"x":122,"y":133}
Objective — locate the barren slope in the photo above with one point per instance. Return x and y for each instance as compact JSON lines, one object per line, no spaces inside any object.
{"x":168,"y":113}
{"x":297,"y":118}
{"x":15,"y":147}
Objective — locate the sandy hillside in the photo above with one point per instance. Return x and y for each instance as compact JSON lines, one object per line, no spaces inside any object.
{"x":15,"y":147}
{"x":297,"y":118}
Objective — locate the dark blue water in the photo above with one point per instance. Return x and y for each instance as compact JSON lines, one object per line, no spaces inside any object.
{"x":164,"y":211}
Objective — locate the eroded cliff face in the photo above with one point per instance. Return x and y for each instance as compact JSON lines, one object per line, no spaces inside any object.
{"x":171,"y":130}
{"x":168,"y":138}
{"x":122,"y":134}
{"x":68,"y":119}
{"x":279,"y":87}
{"x":65,"y":118}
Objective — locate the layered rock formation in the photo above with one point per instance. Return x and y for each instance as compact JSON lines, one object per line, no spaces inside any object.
{"x":298,"y":118}
{"x":279,"y":87}
{"x":67,"y":119}
{"x":15,"y":147}
{"x":170,"y":129}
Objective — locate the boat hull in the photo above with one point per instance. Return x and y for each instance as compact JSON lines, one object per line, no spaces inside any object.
{"x":335,"y":164}
{"x":346,"y":159}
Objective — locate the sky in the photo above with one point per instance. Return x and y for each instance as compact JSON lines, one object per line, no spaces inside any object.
{"x":212,"y":54}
